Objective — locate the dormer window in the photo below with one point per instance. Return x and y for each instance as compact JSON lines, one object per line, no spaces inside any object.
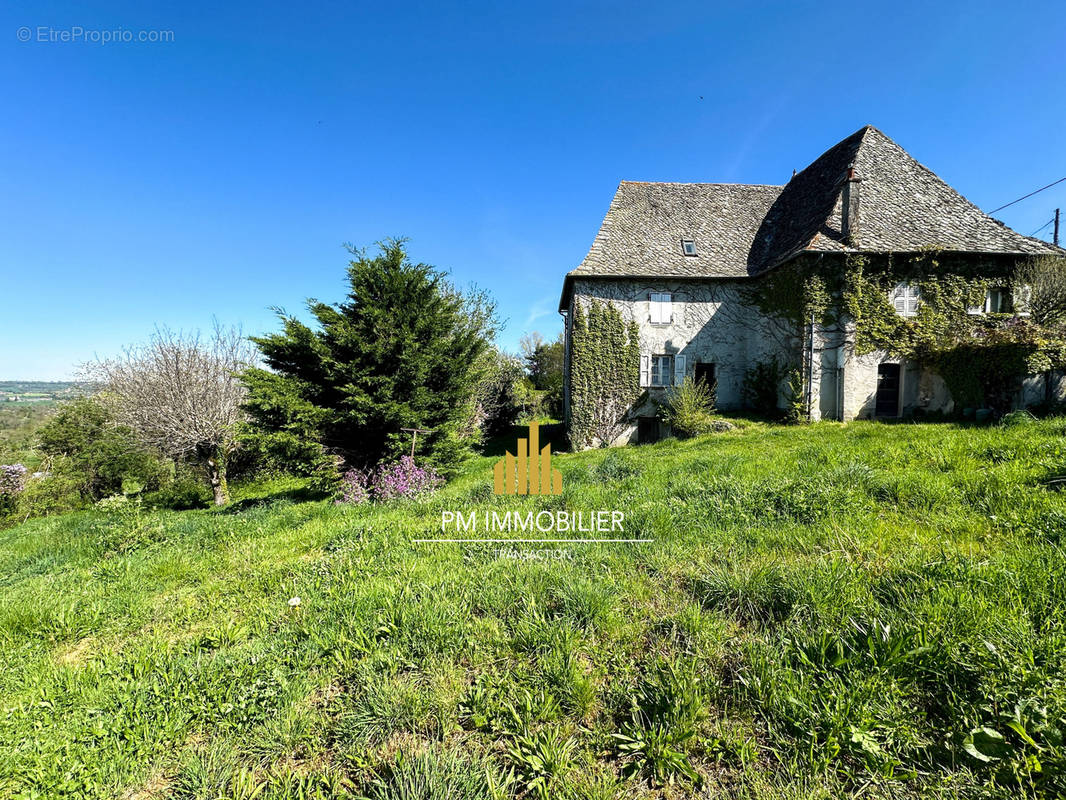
{"x":905,"y":299}
{"x":688,"y":247}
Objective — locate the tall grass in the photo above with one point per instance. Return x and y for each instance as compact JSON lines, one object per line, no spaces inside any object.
{"x":825,"y":611}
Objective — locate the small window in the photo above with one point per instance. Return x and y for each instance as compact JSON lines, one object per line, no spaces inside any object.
{"x":662,"y":370}
{"x":688,"y":247}
{"x":994,"y":302}
{"x":662,"y":311}
{"x":905,"y":299}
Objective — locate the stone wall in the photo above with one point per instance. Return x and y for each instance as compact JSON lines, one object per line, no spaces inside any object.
{"x":710,"y":323}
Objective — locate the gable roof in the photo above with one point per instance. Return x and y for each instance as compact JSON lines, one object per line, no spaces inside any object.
{"x":743,"y":230}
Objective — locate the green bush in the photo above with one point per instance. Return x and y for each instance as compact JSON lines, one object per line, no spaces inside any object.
{"x":84,"y":444}
{"x":761,"y":389}
{"x":689,"y":410}
{"x":56,"y":493}
{"x":185,"y":491}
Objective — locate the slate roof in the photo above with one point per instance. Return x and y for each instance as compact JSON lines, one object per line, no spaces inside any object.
{"x":743,"y":230}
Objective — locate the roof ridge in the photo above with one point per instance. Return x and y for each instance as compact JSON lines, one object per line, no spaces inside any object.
{"x":703,"y":183}
{"x":744,"y":229}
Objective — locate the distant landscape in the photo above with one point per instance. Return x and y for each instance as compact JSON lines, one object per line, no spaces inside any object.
{"x":37,"y":391}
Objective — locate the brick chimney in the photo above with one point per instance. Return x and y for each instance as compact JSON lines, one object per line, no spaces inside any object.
{"x":849,"y":211}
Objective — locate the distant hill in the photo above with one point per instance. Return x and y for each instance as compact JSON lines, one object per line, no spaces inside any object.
{"x":36,"y":391}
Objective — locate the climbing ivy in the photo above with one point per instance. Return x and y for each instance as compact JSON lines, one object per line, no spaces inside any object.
{"x":797,"y":292}
{"x":981,"y":358}
{"x":604,"y":373}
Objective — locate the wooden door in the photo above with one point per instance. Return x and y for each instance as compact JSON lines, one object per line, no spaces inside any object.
{"x":887,"y":403}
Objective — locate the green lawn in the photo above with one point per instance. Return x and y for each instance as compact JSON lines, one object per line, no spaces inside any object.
{"x":826,"y":611}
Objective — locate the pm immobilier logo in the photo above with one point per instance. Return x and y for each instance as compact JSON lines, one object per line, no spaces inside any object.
{"x":530,"y":470}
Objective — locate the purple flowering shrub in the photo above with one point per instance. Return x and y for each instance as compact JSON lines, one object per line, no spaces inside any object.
{"x":12,"y":483}
{"x":403,"y":479}
{"x":12,"y":479}
{"x":354,"y":487}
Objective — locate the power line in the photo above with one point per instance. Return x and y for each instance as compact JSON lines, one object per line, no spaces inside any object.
{"x":1034,"y":233}
{"x":1038,"y":191}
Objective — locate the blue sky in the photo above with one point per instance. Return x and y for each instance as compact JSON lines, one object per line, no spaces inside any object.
{"x":219,"y":174}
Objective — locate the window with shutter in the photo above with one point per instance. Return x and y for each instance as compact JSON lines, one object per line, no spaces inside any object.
{"x":905,"y":299}
{"x":661,"y":312}
{"x":662,"y":370}
{"x":994,"y":301}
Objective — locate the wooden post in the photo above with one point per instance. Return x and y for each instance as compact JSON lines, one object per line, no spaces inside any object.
{"x":414,"y":437}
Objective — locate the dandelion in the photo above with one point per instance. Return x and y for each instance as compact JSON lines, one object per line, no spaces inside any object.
{"x":294,"y":602}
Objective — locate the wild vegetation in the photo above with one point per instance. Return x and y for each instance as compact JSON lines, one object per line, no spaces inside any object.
{"x":181,"y":396}
{"x":604,"y":373}
{"x":819,"y":611}
{"x":689,"y":408}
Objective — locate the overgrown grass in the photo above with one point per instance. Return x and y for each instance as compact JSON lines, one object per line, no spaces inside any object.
{"x":825,"y":611}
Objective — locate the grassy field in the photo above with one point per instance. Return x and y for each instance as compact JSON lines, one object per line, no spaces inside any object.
{"x":18,"y":423}
{"x":826,"y":611}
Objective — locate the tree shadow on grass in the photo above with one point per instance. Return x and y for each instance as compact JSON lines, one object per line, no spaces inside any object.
{"x":554,"y":434}
{"x":303,"y":494}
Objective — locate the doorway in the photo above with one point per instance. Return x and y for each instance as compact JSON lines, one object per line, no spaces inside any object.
{"x":887,"y":402}
{"x":705,"y":373}
{"x":647,"y":430}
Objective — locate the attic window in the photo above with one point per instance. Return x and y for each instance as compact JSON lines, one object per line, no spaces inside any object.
{"x":688,"y":247}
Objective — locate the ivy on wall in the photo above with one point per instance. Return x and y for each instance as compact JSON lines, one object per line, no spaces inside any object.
{"x":604,"y":374}
{"x":982,"y":358}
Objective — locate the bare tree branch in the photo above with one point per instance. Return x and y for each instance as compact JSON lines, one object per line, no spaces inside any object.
{"x":181,"y":394}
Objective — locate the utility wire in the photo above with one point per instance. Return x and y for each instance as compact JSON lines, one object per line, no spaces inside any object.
{"x":1038,"y":191}
{"x":1034,"y":233}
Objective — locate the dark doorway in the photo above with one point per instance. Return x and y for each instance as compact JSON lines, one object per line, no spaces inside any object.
{"x":647,"y":430}
{"x":705,"y":373}
{"x":887,"y":404}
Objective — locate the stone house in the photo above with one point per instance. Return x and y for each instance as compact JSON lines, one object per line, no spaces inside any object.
{"x":682,"y":261}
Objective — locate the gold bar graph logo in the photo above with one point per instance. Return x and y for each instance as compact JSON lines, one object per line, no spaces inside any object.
{"x":529,"y":472}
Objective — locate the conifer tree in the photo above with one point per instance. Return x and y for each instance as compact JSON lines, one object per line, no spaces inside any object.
{"x":404,"y":350}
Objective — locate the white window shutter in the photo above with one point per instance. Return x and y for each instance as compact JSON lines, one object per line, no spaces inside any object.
{"x":912,"y":300}
{"x":666,"y":308}
{"x":679,"y":370}
{"x":654,"y":307}
{"x":645,"y":370}
{"x":899,"y":299}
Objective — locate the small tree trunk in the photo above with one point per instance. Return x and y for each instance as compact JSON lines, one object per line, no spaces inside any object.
{"x":216,"y":472}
